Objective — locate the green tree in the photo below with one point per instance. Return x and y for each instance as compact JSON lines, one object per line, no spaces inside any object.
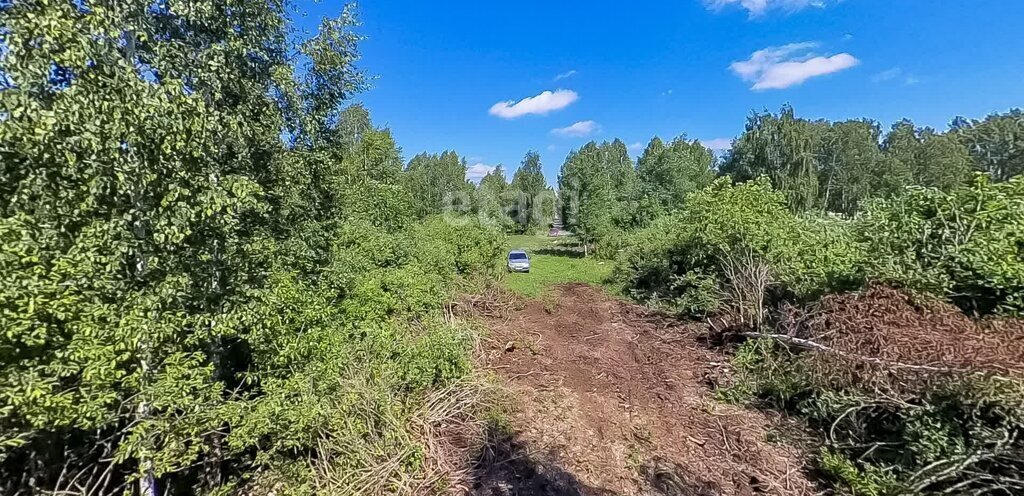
{"x":137,"y":141}
{"x":785,"y":149}
{"x":438,"y":183}
{"x":963,"y":245}
{"x":595,"y":186}
{"x":851,"y":165}
{"x":996,"y":143}
{"x":667,"y":174}
{"x":923,"y":157}
{"x":527,"y":187}
{"x":490,"y":200}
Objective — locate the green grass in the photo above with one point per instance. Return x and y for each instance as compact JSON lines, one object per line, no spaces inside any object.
{"x":553,"y":261}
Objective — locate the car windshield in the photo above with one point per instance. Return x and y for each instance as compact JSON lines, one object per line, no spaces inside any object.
{"x":517,"y":256}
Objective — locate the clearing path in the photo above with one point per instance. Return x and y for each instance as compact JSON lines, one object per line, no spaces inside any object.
{"x":611,"y":398}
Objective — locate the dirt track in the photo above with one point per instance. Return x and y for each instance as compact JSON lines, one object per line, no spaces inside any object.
{"x":613,"y":399}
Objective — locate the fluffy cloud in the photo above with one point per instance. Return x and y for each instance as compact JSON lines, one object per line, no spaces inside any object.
{"x":580,"y":129}
{"x":759,"y":7}
{"x":477,"y":171}
{"x":781,"y":67}
{"x":543,"y":103}
{"x":565,"y":75}
{"x":635,"y":147}
{"x":718,"y":144}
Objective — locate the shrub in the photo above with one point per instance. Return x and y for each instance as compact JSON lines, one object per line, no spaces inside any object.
{"x":966,"y":245}
{"x":459,"y":246}
{"x":727,"y":237}
{"x":340,"y":363}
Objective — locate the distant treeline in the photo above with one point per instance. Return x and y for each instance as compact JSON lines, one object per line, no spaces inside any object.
{"x":817,"y":164}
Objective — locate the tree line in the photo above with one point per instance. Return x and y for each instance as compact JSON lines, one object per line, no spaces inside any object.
{"x":525,"y":204}
{"x":818,"y":165}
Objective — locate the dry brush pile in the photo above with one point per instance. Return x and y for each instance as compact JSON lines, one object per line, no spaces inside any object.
{"x":909,"y":394}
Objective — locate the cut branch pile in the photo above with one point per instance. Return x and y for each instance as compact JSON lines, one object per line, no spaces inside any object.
{"x":887,"y":337}
{"x":493,"y":302}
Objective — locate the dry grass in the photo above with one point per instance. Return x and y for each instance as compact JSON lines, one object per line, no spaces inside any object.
{"x":431,"y":451}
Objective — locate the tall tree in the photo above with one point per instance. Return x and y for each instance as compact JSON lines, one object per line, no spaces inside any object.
{"x":923,"y":157}
{"x":622,"y":169}
{"x":138,"y":143}
{"x":438,"y":183}
{"x":528,"y":185}
{"x":995,"y":143}
{"x":785,"y":149}
{"x":490,"y":200}
{"x":667,"y":174}
{"x":850,"y":165}
{"x":594,"y":189}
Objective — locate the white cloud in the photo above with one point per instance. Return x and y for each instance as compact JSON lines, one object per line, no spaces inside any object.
{"x":895,"y":73}
{"x":565,"y":75}
{"x":887,"y":75}
{"x":477,"y":171}
{"x":580,"y":129}
{"x":718,"y":144}
{"x":789,"y":65}
{"x":759,"y":7}
{"x":543,"y":103}
{"x":635,"y":147}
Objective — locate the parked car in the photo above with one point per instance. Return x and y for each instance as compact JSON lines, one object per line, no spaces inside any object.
{"x":518,"y":261}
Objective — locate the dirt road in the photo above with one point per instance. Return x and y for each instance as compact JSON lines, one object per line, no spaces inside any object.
{"x":613,"y":399}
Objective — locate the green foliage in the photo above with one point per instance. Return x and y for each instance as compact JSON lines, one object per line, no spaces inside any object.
{"x":596,"y":186}
{"x":871,"y":480}
{"x":460,"y":246}
{"x":996,"y":143}
{"x":525,"y":205}
{"x":438,"y":184}
{"x":532,"y":204}
{"x":923,"y":157}
{"x":834,"y":166}
{"x":783,"y":148}
{"x":491,"y":198}
{"x":964,"y":245}
{"x":679,"y":260}
{"x":212,"y":277}
{"x":136,"y":142}
{"x":852,"y":169}
{"x":667,"y":174}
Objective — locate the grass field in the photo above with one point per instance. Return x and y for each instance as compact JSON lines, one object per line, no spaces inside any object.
{"x":553,"y":261}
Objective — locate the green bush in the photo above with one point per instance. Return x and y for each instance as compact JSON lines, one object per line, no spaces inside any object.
{"x":459,"y":246}
{"x":966,"y":245}
{"x":340,"y":362}
{"x":680,"y":261}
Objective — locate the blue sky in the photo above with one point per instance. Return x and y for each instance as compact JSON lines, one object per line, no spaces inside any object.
{"x":633,"y":70}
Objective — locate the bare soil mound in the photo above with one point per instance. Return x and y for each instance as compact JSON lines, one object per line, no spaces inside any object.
{"x":613,"y":399}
